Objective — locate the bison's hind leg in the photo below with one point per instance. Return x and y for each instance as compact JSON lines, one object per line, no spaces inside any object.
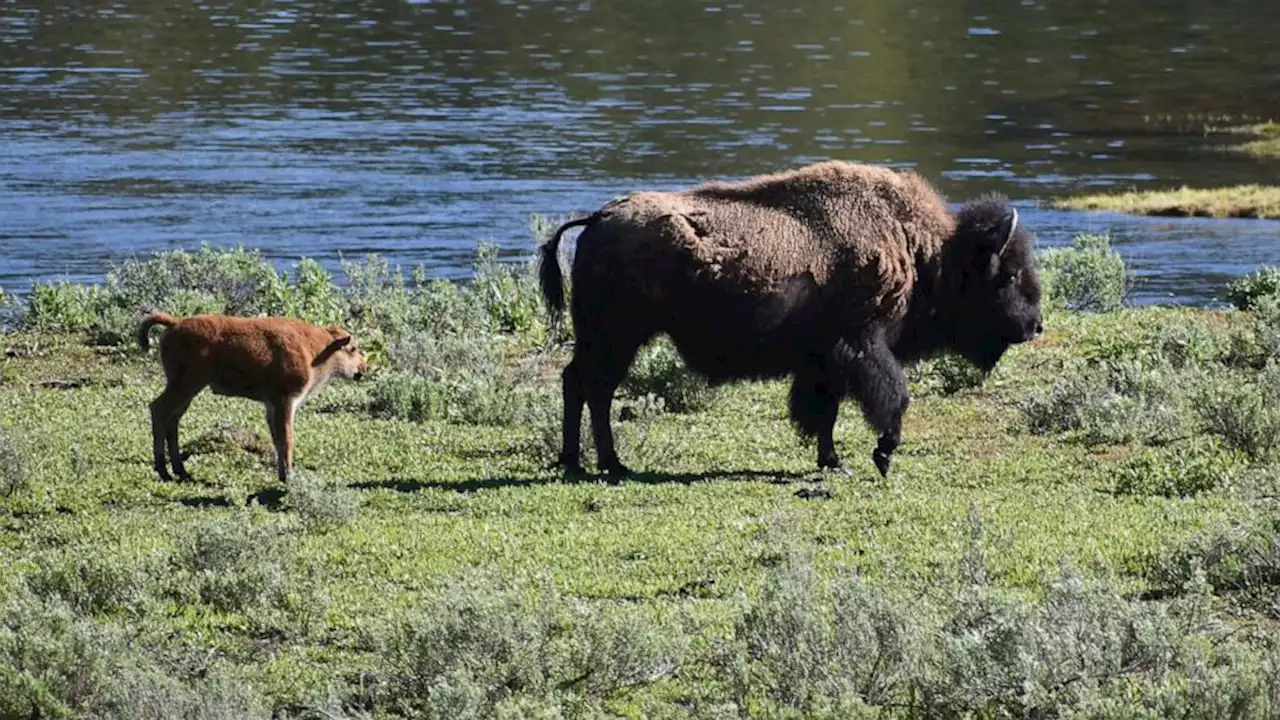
{"x":815,"y":402}
{"x":571,"y":430}
{"x":602,"y":361}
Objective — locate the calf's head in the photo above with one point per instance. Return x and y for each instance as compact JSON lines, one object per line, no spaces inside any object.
{"x":995,"y":289}
{"x":341,"y":357}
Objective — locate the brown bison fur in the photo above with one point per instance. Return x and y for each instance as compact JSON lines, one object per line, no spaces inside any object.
{"x":834,"y":274}
{"x":276,"y":361}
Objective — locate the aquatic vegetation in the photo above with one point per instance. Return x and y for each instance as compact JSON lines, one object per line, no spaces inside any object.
{"x":1240,"y":201}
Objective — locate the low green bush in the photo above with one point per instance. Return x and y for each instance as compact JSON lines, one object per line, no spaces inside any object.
{"x":1088,"y":276}
{"x":1183,"y":472}
{"x":321,"y":505}
{"x":1246,"y":291}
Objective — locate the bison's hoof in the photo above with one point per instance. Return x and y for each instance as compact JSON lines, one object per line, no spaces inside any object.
{"x":829,"y":463}
{"x":616,"y":470}
{"x":570,"y":467}
{"x":164,"y":475}
{"x":184,"y":476}
{"x":881,"y":459}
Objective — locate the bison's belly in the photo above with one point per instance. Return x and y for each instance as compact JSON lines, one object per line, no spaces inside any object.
{"x":725,"y":336}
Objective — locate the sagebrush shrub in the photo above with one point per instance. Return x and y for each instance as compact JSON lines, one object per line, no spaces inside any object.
{"x":13,"y":471}
{"x":946,"y":374}
{"x":229,"y":563}
{"x":92,"y":583}
{"x":971,"y":650}
{"x":1243,"y":560}
{"x":1113,"y":401}
{"x":321,"y":506}
{"x":457,"y":379}
{"x":236,"y":281}
{"x":1244,"y":411}
{"x":485,"y":648}
{"x":825,"y":649}
{"x":56,"y":662}
{"x":1266,"y":323}
{"x":1088,"y":276}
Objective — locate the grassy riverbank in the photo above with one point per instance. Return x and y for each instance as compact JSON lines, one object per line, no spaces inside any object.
{"x":1090,"y":530}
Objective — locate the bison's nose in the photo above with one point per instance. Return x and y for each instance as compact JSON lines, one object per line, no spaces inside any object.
{"x":1036,"y":329}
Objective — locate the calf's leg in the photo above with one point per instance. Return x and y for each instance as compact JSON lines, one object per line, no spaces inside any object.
{"x":880,"y":385}
{"x":175,"y":453}
{"x":166,"y":409}
{"x":280,"y":420}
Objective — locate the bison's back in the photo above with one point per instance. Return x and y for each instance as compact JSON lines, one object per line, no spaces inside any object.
{"x":859,"y":232}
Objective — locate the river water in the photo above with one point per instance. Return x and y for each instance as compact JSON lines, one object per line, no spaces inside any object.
{"x":417,"y":130}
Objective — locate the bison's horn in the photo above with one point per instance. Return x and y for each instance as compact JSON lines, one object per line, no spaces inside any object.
{"x":1013,"y":226}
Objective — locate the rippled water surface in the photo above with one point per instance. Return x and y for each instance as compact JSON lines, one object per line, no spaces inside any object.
{"x":418,"y":129}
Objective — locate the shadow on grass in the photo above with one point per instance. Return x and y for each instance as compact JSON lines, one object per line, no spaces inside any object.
{"x":272,"y":499}
{"x":644,"y":478}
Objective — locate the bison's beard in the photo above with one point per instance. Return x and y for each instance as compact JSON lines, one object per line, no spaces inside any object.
{"x":985,"y":355}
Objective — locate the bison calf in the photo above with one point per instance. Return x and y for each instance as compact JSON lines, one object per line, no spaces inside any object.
{"x":276,"y":361}
{"x":834,"y":274}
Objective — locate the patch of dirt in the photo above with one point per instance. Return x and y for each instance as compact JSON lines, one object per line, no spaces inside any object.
{"x":231,"y":439}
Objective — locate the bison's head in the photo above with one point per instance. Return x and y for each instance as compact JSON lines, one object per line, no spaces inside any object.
{"x":993,"y":277}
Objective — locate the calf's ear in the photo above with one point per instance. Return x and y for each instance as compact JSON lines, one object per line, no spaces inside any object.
{"x":330,"y":349}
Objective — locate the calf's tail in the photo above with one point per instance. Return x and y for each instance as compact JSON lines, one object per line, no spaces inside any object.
{"x":549,"y":274}
{"x":144,"y":328}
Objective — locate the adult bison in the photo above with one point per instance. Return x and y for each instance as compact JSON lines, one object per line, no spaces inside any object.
{"x":834,"y":274}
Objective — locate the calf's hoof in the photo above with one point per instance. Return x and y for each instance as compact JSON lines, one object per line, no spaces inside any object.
{"x":830,"y":462}
{"x":881,"y":459}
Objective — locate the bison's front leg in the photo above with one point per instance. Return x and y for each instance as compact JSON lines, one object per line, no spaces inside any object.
{"x":880,"y":385}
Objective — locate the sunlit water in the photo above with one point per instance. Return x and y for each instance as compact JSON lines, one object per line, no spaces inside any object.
{"x":417,"y":130}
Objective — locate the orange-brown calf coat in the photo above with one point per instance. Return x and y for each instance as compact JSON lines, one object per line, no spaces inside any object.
{"x":276,"y":361}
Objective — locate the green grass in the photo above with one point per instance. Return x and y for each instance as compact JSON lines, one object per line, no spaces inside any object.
{"x":1240,"y":201}
{"x":437,"y":568}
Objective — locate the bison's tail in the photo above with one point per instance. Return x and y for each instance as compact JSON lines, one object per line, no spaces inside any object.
{"x":549,"y":274}
{"x":144,"y":328}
